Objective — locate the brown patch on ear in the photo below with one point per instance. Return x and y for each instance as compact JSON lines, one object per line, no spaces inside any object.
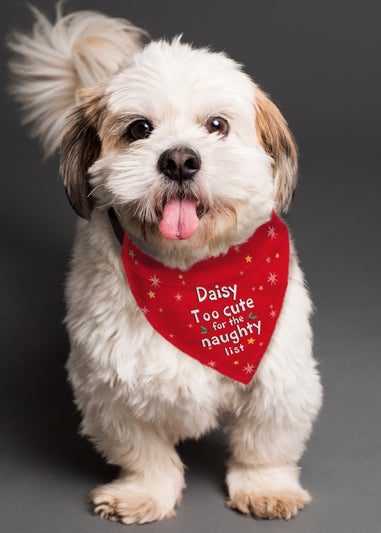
{"x":279,"y":143}
{"x":80,"y":147}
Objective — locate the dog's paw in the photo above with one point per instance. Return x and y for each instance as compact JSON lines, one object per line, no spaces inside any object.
{"x":272,"y":505}
{"x":266,"y":492}
{"x":125,"y":503}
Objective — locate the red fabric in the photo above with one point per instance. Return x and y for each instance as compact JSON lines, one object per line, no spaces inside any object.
{"x":223,"y":310}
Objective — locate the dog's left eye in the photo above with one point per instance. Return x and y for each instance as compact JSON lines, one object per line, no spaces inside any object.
{"x":217,"y":125}
{"x":140,"y":129}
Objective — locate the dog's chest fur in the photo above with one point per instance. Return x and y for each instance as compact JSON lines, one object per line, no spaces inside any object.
{"x":117,"y":357}
{"x":117,"y":352}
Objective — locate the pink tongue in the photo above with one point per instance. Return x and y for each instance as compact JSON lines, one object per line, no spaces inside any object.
{"x":179,"y":220}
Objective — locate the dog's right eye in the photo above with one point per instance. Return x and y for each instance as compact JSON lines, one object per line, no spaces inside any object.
{"x":140,"y":129}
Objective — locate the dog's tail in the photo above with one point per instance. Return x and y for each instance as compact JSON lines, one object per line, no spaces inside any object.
{"x":52,"y":63}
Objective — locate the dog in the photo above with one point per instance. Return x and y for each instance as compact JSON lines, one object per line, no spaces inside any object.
{"x":177,"y":164}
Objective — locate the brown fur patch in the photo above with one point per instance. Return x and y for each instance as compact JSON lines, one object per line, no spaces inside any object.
{"x":282,"y":504}
{"x":80,"y":147}
{"x":279,"y":143}
{"x":133,"y":509}
{"x":113,"y":129}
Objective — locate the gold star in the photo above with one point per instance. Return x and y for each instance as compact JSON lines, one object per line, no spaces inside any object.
{"x":277,"y":256}
{"x":236,"y":362}
{"x":248,"y":259}
{"x":251,"y":340}
{"x":131,"y":253}
{"x":260,"y":288}
{"x":181,"y":276}
{"x":151,"y":294}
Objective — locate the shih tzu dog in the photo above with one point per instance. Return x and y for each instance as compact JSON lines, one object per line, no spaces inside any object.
{"x":184,"y":299}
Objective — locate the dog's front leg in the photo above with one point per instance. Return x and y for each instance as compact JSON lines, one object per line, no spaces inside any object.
{"x":267,"y":438}
{"x":151,"y":479}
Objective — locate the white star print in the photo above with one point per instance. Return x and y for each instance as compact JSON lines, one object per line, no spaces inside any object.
{"x":268,"y":259}
{"x":178,"y":297}
{"x":249,"y":369}
{"x":144,"y":310}
{"x":236,"y":249}
{"x":272,"y":279}
{"x":273,"y":313}
{"x":271,"y":232}
{"x":212,"y":364}
{"x":155,"y":281}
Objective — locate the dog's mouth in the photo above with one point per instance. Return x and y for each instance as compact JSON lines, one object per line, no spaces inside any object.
{"x":180,"y":218}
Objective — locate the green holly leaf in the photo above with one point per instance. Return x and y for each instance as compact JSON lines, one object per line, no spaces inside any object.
{"x":252,"y":317}
{"x":204,"y":330}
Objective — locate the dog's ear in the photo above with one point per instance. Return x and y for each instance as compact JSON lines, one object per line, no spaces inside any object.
{"x":278,"y":141}
{"x":80,"y":148}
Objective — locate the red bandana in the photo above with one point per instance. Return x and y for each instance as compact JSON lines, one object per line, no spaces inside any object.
{"x":223,"y":310}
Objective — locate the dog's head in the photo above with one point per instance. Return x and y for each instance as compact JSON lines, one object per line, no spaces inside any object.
{"x":191,"y":154}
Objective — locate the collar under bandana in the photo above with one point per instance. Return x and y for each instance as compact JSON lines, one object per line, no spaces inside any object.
{"x":223,"y":310}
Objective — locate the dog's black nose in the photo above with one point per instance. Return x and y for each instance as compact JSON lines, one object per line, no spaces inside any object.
{"x":179,"y":164}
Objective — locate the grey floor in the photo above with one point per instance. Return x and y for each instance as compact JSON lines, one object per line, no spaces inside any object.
{"x":46,"y":469}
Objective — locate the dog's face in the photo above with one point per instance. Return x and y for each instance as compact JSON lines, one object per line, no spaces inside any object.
{"x":192,"y":155}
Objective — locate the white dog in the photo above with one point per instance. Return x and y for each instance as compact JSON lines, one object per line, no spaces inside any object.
{"x":194,"y":161}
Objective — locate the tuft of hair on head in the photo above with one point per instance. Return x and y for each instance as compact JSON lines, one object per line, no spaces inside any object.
{"x":278,"y":141}
{"x":56,"y":59}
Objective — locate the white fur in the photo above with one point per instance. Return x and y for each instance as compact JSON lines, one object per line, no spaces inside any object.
{"x":139,"y":395}
{"x":55,"y":60}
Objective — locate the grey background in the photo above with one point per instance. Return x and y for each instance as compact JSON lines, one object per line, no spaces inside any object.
{"x":320,"y":62}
